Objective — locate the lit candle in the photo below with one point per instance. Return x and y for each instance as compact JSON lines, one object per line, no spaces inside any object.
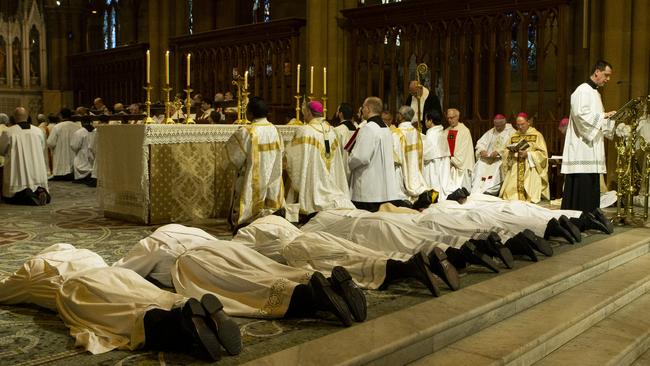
{"x":246,"y":80}
{"x":311,"y":81}
{"x":188,"y":69}
{"x":324,"y":80}
{"x":298,"y":81}
{"x":167,"y":67}
{"x":148,"y":67}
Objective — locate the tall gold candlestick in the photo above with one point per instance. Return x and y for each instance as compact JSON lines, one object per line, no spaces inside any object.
{"x":168,"y":106}
{"x":188,"y":104}
{"x":298,"y":81}
{"x":298,"y":121}
{"x":188,"y":69}
{"x":147,"y":104}
{"x":148,"y":67}
{"x":324,"y":98}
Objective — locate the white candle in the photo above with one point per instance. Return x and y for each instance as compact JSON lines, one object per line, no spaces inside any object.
{"x":324,"y":80}
{"x":298,"y":81}
{"x":148,"y":67}
{"x":311,"y":81}
{"x":188,"y":70}
{"x":167,"y":67}
{"x":246,"y":80}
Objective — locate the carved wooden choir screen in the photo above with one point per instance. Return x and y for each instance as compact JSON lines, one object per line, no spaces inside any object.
{"x":484,"y":57}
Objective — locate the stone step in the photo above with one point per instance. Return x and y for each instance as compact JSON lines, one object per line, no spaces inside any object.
{"x":531,"y":335}
{"x":621,"y":338}
{"x":409,"y":334}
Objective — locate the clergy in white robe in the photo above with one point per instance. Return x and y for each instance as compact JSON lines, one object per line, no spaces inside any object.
{"x":344,"y":132}
{"x":84,"y":159}
{"x":414,"y":183}
{"x":583,"y":159}
{"x":372,"y":179}
{"x":437,"y":160}
{"x":24,"y":165}
{"x":525,"y":170}
{"x":399,"y":159}
{"x":4,"y":121}
{"x":256,"y":152}
{"x":315,"y":165}
{"x":422,"y":101}
{"x":59,"y":141}
{"x":487,"y":170}
{"x":461,"y":149}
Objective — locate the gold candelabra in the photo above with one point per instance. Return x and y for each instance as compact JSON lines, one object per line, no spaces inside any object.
{"x":147,"y":104}
{"x":242,"y":99}
{"x":298,"y":108}
{"x":188,"y":105}
{"x":168,"y":105}
{"x":324,"y":98}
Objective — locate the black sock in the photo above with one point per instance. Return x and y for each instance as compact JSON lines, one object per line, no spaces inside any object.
{"x":301,"y":303}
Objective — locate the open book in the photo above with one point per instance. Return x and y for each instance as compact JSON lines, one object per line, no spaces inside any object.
{"x":521,"y":145}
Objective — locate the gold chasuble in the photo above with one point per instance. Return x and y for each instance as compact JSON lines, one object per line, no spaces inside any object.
{"x":526,"y":178}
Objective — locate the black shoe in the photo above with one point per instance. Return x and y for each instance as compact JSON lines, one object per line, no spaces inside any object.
{"x":194,"y":320}
{"x":571,"y":228}
{"x":222,"y":325}
{"x":420,"y":271}
{"x":456,"y":258}
{"x":537,"y":243}
{"x":441,"y":267}
{"x":553,"y":228}
{"x":600,"y":216}
{"x":590,"y":222}
{"x":457,"y":195}
{"x":350,"y":292}
{"x":494,"y":248}
{"x":518,"y":245}
{"x":327,"y":299}
{"x":474,"y":256}
{"x":465,"y":191}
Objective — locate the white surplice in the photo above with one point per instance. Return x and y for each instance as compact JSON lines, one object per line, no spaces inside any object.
{"x":256,"y":152}
{"x":462,"y":157}
{"x":372,"y":174}
{"x":437,"y":162}
{"x":59,"y":141}
{"x":343,"y":133}
{"x":487,"y":176}
{"x":84,"y":159}
{"x":24,"y":164}
{"x":316,"y":168}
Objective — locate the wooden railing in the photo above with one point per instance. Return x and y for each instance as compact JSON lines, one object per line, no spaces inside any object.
{"x":484,"y":57}
{"x":115,"y":75}
{"x":269,"y":51}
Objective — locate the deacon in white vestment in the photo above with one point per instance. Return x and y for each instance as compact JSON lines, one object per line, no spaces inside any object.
{"x":344,"y":132}
{"x":256,"y":152}
{"x":59,"y":141}
{"x":315,"y":165}
{"x":84,"y":159}
{"x":487,"y":171}
{"x":414,"y":183}
{"x":583,"y":159}
{"x":372,"y":174}
{"x":461,"y":149}
{"x":437,"y":160}
{"x":24,"y":164}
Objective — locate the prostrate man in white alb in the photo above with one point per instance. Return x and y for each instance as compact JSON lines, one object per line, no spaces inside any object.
{"x":24,"y":177}
{"x":372,"y":174}
{"x":584,"y":149}
{"x":315,"y":165}
{"x":59,"y":142}
{"x":487,"y":171}
{"x":256,"y":151}
{"x":461,"y":149}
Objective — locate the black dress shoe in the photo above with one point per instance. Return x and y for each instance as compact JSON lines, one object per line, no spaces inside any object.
{"x":441,"y":267}
{"x":465,"y":191}
{"x":571,"y":228}
{"x":600,"y":215}
{"x":474,"y":256}
{"x":590,"y":222}
{"x":457,"y":195}
{"x":537,"y":243}
{"x":553,"y":228}
{"x":519,"y":246}
{"x":327,"y":299}
{"x":350,"y":292}
{"x":420,"y":271}
{"x":194,"y":320}
{"x":494,"y":248}
{"x":222,"y":325}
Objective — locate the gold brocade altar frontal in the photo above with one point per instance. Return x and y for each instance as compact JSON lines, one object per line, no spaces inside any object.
{"x":158,"y":174}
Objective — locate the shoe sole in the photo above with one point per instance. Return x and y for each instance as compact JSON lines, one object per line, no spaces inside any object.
{"x":225,"y":328}
{"x":475,"y":256}
{"x":440,"y":266}
{"x":351,"y":293}
{"x":541,"y":246}
{"x":572,"y":229}
{"x":194,"y":314}
{"x":600,"y":215}
{"x":326,"y":295}
{"x":424,"y":275}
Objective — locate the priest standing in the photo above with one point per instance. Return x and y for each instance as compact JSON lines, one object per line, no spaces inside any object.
{"x":461,"y":149}
{"x":584,"y":148}
{"x":487,"y":171}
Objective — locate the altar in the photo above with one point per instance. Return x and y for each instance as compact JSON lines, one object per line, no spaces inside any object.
{"x":157,"y":174}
